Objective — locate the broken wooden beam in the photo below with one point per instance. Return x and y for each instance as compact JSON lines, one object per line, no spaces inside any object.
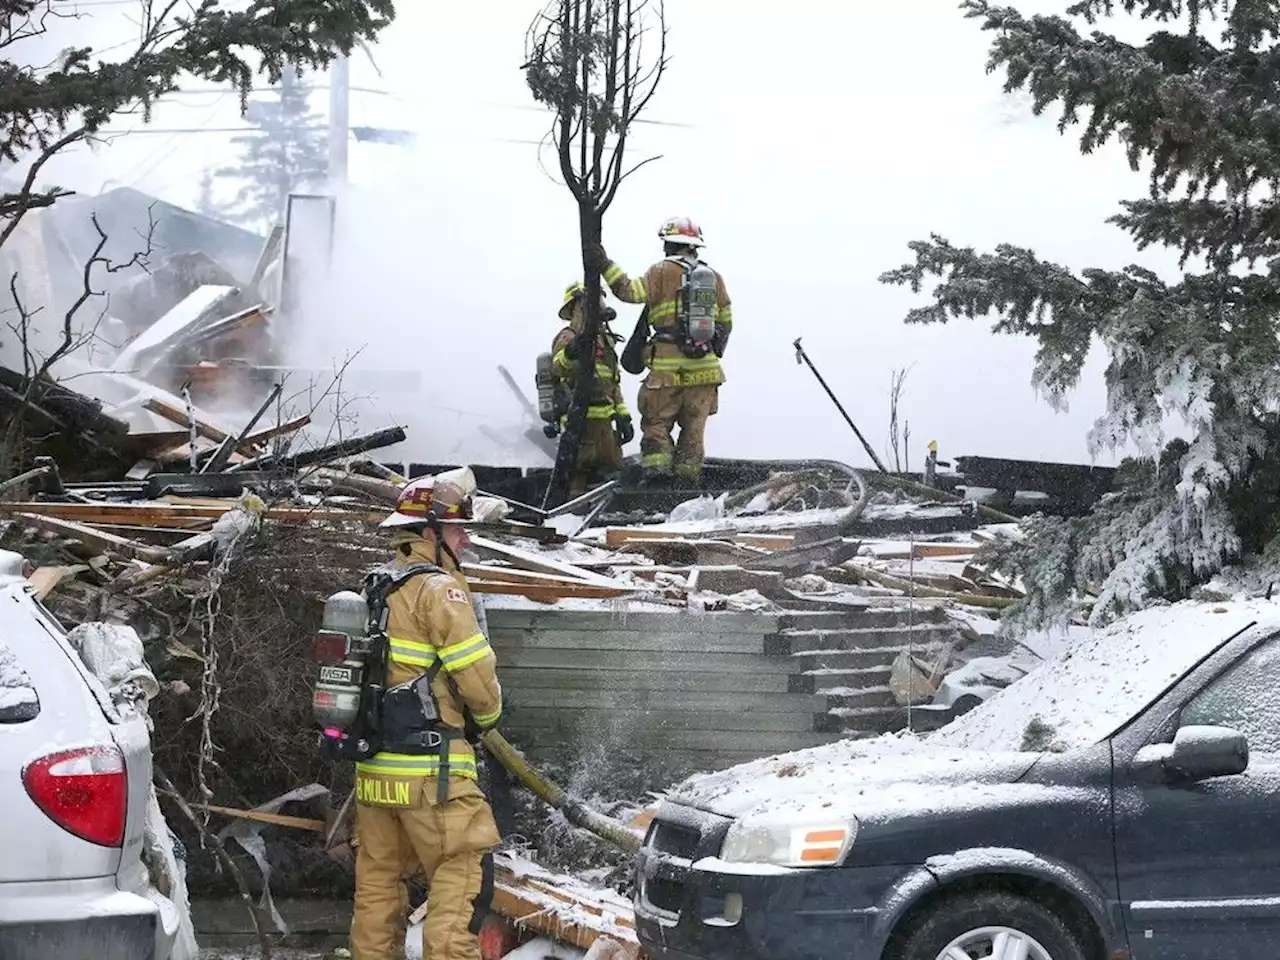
{"x":98,"y":540}
{"x":527,"y":560}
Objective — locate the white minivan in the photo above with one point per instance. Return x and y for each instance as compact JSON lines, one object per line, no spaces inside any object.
{"x":75,"y":776}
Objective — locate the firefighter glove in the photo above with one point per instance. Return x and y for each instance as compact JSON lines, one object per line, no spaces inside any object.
{"x":596,"y":257}
{"x":551,"y":431}
{"x":626,"y":432}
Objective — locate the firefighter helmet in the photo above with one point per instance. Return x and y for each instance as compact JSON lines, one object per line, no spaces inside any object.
{"x":681,"y":230}
{"x":572,"y":294}
{"x":443,"y":498}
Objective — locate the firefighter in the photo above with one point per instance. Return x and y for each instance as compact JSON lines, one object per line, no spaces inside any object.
{"x":419,"y":796}
{"x":600,"y":453}
{"x":691,"y":317}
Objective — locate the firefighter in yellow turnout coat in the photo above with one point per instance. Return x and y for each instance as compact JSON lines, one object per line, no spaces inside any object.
{"x":408,"y":805}
{"x":683,"y":384}
{"x":600,"y":453}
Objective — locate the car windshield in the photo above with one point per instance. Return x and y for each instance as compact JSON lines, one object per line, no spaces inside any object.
{"x":18,"y":699}
{"x":1089,"y":692}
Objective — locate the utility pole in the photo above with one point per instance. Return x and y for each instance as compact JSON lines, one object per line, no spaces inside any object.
{"x":339,"y":102}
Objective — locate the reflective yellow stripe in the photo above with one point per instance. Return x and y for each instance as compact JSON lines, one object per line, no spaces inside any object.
{"x":638,"y":292}
{"x":724,"y":316}
{"x":489,"y":719}
{"x":660,"y":311}
{"x":467,"y":652}
{"x":412,"y":652}
{"x":599,"y":413}
{"x":413,"y":765}
{"x":612,"y":274}
{"x":621,"y":410}
{"x":709,"y":362}
{"x":656,"y":460}
{"x":606,"y":372}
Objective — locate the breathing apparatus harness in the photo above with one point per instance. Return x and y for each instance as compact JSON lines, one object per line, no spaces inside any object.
{"x":358,"y":715}
{"x":695,"y":331}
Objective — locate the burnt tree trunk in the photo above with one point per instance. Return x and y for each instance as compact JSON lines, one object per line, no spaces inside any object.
{"x":590,"y":222}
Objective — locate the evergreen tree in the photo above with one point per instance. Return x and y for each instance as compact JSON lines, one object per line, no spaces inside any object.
{"x":288,"y":153}
{"x":1199,"y":104}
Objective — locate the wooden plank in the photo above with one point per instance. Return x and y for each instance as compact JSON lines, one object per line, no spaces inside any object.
{"x":618,"y":638}
{"x":615,"y":537}
{"x":46,"y":579}
{"x":492,"y":572}
{"x":626,"y":663}
{"x":589,"y":720}
{"x":171,"y":514}
{"x":261,"y":816}
{"x":797,"y":704}
{"x":538,"y":563}
{"x":279,"y":430}
{"x":97,"y":539}
{"x":759,"y":743}
{"x":766,"y":541}
{"x":174,"y":415}
{"x":549,"y":594}
{"x":518,"y":677}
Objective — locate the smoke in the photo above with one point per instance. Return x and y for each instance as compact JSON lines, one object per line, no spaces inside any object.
{"x":422,"y":299}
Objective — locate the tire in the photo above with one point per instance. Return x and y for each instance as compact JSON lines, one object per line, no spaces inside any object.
{"x":965,"y":917}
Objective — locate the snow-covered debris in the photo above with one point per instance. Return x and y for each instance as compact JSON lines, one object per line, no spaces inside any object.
{"x":113,"y":653}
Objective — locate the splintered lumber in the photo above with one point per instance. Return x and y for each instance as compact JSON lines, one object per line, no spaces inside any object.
{"x":334,"y":451}
{"x":906,"y":586}
{"x":95,"y":539}
{"x":174,"y":415}
{"x":538,"y":563}
{"x":568,"y":917}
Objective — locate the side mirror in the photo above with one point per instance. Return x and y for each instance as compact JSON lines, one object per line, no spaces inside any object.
{"x":1202,"y":753}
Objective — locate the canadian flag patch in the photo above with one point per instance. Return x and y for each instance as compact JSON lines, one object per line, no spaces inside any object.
{"x":455,"y":595}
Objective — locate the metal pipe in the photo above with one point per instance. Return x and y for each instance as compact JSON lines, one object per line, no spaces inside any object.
{"x":802,"y":356}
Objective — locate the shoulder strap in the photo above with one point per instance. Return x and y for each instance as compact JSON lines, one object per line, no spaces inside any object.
{"x":389,"y":578}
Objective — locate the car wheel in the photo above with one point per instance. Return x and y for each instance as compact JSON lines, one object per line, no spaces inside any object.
{"x":990,"y":925}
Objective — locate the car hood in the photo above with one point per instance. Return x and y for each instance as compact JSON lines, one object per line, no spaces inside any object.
{"x":847,"y":777}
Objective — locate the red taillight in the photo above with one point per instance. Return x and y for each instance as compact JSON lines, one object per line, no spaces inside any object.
{"x":83,"y":791}
{"x":329,"y":647}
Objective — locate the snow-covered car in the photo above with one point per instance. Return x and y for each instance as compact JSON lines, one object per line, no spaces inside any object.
{"x":1121,"y":801}
{"x":75,"y":776}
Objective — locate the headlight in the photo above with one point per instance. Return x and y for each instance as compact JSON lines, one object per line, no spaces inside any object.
{"x":787,"y":843}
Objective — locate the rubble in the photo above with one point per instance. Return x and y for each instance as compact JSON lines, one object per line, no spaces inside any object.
{"x":170,"y":490}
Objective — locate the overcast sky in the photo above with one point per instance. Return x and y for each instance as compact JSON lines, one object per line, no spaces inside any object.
{"x":810,"y":147}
